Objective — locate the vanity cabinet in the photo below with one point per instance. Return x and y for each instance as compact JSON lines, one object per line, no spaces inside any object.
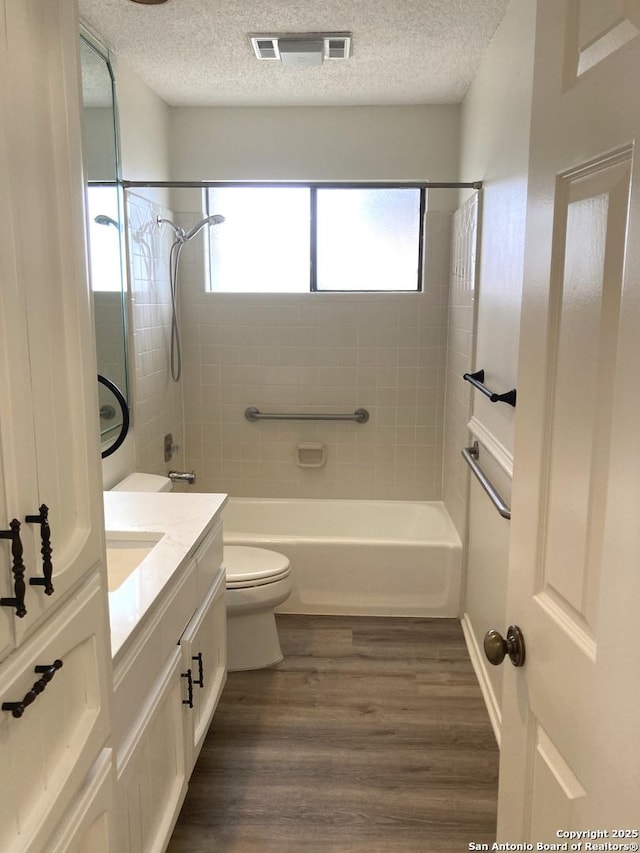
{"x":152,"y":772}
{"x":167,"y":682}
{"x":48,"y":386}
{"x":204,"y":654}
{"x":54,"y":723}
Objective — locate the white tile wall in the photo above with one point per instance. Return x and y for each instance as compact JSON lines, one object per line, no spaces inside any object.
{"x":157,"y":399}
{"x":324,"y":353}
{"x":108,"y":326}
{"x":459,"y":359}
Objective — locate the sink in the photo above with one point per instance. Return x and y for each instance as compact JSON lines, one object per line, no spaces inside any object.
{"x":125,"y":551}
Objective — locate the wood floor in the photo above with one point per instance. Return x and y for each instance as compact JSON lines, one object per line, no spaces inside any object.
{"x":371,"y":735}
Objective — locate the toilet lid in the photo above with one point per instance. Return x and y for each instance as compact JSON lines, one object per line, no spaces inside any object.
{"x":246,"y":565}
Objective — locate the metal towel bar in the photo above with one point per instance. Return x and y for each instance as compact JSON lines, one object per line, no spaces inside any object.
{"x":477,"y":380}
{"x":470,"y":455}
{"x":360,"y":416}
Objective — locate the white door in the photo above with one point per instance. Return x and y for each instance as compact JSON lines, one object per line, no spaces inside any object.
{"x":570,"y":755}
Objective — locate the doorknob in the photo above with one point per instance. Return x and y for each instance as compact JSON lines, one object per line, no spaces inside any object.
{"x":496,"y":647}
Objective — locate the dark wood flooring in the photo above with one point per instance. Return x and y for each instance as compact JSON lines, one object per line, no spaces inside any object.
{"x":371,"y":735}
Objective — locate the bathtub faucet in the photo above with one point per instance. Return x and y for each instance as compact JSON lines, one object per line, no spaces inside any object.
{"x":182,"y":477}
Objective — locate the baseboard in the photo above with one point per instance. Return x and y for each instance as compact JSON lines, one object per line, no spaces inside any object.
{"x":479,"y":666}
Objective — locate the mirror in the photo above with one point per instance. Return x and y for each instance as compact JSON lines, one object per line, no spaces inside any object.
{"x":105,"y":236}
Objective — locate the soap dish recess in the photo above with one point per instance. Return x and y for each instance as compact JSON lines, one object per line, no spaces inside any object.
{"x":311,"y":455}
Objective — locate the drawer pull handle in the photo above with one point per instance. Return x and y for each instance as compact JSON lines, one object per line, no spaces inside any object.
{"x":189,"y":700}
{"x":200,"y":679}
{"x":17,"y":568}
{"x":46,"y":550}
{"x":47,"y":672}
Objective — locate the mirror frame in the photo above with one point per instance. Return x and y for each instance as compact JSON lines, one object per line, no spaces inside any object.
{"x":124,"y":409}
{"x":123,"y":395}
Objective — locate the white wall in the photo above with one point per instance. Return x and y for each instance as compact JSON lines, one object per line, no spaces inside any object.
{"x":144,"y":131}
{"x":157,"y":398}
{"x":318,"y":144}
{"x":327,"y":352}
{"x":495,"y":148}
{"x":385,"y":352}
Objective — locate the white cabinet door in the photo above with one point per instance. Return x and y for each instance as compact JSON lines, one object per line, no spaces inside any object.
{"x":152,"y":775}
{"x":54,"y":719}
{"x":47,"y":375}
{"x":204,"y":648}
{"x":87,"y":827}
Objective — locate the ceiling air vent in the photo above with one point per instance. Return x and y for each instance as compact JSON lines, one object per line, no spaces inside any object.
{"x":331,"y":45}
{"x":265,"y":48}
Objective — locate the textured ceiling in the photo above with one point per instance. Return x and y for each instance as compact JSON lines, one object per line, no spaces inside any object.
{"x":197,"y":52}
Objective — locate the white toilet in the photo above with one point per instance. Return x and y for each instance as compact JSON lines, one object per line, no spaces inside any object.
{"x":258,"y":580}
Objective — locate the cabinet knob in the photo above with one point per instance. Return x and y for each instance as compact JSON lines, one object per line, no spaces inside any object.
{"x":46,"y":550}
{"x":17,"y":567}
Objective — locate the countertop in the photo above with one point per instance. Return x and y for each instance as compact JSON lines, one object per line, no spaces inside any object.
{"x":184,"y":519}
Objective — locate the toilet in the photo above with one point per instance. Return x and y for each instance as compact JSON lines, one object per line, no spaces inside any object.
{"x":258,"y":580}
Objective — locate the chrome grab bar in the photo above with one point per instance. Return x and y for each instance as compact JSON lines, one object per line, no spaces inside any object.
{"x":470,"y":455}
{"x":360,"y":416}
{"x":477,"y":380}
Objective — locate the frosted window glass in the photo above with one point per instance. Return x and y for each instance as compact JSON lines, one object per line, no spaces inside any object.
{"x":263,"y":245}
{"x":104,"y":238}
{"x":368,"y":239}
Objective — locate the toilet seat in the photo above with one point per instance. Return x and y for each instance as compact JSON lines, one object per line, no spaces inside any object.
{"x":250,"y":567}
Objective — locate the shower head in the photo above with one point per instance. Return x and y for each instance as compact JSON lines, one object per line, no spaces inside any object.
{"x":103,"y":219}
{"x":179,"y":232}
{"x":216,"y":219}
{"x":183,"y":236}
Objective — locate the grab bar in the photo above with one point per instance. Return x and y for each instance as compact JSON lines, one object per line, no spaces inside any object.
{"x":477,"y":380}
{"x":470,"y":455}
{"x":360,"y":416}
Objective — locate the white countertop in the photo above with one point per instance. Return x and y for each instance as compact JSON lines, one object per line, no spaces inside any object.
{"x":184,"y":519}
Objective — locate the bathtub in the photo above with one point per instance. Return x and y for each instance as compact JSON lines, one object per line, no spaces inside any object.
{"x":386,"y":558}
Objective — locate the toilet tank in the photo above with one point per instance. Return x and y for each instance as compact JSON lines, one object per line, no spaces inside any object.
{"x":138,"y":482}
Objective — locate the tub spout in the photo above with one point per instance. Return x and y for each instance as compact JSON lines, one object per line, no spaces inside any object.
{"x":182,"y":477}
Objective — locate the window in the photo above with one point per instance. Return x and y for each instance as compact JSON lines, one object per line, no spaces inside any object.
{"x":104,"y":238}
{"x":293,"y":238}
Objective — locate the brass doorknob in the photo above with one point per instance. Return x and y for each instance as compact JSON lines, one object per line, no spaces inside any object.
{"x":496,"y":647}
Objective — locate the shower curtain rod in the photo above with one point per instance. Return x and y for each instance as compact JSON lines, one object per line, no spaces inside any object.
{"x":427,"y":185}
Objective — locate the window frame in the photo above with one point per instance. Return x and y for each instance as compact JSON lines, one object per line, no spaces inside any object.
{"x":313,"y":187}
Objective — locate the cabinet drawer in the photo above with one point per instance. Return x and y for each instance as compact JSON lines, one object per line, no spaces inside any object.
{"x":46,"y":753}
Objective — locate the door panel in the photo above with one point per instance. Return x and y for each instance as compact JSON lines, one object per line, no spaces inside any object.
{"x":557,"y":795}
{"x":597,"y":29}
{"x":587,"y":264}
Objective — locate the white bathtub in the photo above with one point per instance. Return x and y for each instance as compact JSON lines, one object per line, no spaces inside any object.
{"x":386,"y":558}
